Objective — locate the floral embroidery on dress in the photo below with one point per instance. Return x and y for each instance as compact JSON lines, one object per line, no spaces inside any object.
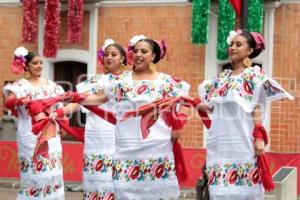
{"x":237,"y":174}
{"x":122,"y":76}
{"x":94,"y":163}
{"x":144,"y":170}
{"x":270,"y":90}
{"x":165,"y":86}
{"x":54,"y":162}
{"x":244,"y":84}
{"x":92,"y":85}
{"x":44,"y":91}
{"x":96,"y":83}
{"x":103,"y":195}
{"x":40,"y":191}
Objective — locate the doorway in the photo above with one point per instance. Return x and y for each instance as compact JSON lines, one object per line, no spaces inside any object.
{"x":68,"y":74}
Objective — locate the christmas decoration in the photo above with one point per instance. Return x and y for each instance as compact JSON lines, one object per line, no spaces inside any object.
{"x":200,"y":21}
{"x":255,"y":18}
{"x":30,"y":20}
{"x":52,"y":22}
{"x":75,"y":20}
{"x":226,"y":21}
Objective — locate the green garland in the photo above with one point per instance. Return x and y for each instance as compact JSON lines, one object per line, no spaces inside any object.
{"x":200,"y":21}
{"x":226,"y":21}
{"x":255,"y":17}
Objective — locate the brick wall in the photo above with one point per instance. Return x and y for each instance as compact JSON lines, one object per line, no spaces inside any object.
{"x":183,"y":60}
{"x":63,"y":43}
{"x":10,"y":38}
{"x":285,"y":115}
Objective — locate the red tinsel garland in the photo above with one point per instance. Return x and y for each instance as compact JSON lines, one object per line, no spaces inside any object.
{"x":30,"y":20}
{"x":52,"y":22}
{"x":75,"y":20}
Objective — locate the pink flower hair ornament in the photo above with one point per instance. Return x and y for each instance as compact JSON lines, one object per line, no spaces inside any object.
{"x":101,"y":52}
{"x":258,"y":38}
{"x":18,"y":63}
{"x":135,"y":39}
{"x":163,"y":47}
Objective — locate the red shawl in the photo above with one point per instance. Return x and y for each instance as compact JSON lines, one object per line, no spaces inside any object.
{"x":262,"y":162}
{"x":45,"y":127}
{"x":167,"y":109}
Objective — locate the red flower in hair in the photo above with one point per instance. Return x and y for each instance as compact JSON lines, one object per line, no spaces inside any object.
{"x":163,"y":47}
{"x":100,"y":60}
{"x":129,"y":56}
{"x":259,"y":40}
{"x":18,"y":65}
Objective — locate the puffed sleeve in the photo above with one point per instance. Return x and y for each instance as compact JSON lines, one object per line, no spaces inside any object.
{"x":18,"y":88}
{"x":91,"y":86}
{"x":174,"y":86}
{"x":116,"y":86}
{"x":268,"y":89}
{"x":204,"y":89}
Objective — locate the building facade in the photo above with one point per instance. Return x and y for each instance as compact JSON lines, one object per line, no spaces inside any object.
{"x":170,"y":20}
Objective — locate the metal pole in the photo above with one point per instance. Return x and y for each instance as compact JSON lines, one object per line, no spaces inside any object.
{"x":244,"y":14}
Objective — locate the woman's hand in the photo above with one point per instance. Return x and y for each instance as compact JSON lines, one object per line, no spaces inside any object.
{"x":40,"y":116}
{"x":204,"y":108}
{"x":95,"y":99}
{"x":24,"y":101}
{"x":259,"y":146}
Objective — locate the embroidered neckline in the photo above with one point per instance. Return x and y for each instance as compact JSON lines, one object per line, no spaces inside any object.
{"x":147,"y":80}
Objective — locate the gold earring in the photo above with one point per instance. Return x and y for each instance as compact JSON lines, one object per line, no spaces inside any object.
{"x":247,"y":62}
{"x":26,"y":75}
{"x":152,"y":66}
{"x":123,"y":66}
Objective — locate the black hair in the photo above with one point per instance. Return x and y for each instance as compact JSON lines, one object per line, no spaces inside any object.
{"x":122,"y":51}
{"x":251,"y":42}
{"x":30,"y":56}
{"x":155,"y":49}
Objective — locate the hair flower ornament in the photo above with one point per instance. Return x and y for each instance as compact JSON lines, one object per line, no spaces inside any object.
{"x":107,"y":43}
{"x":18,"y":63}
{"x":135,"y":39}
{"x":21,"y":51}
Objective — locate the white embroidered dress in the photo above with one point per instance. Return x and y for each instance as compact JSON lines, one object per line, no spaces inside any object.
{"x":231,"y":161}
{"x":43,"y":181}
{"x":99,"y":142}
{"x":144,"y":169}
